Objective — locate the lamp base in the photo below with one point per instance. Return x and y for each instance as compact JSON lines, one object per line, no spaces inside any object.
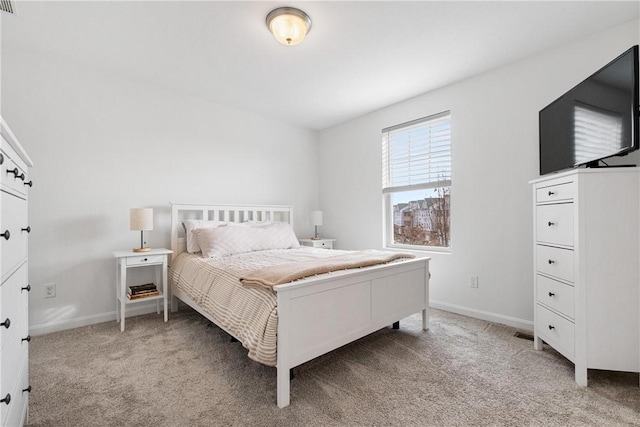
{"x":315,"y":238}
{"x":141,"y":249}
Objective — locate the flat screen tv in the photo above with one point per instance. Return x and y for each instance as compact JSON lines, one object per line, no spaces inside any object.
{"x":595,"y":120}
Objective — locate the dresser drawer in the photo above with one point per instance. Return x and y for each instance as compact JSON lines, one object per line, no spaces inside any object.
{"x":556,"y":331}
{"x":555,"y":262}
{"x":14,"y":413}
{"x":14,"y":220}
{"x":555,"y":192}
{"x":143,"y":260}
{"x":555,"y":295}
{"x":13,"y":170}
{"x":554,"y":224}
{"x":12,"y":358}
{"x":13,"y":305}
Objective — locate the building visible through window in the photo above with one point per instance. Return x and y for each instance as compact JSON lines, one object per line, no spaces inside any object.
{"x":416,"y":187}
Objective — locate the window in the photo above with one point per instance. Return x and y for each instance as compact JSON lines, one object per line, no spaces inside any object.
{"x":416,"y":183}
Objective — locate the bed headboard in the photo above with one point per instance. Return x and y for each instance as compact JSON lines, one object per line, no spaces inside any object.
{"x":229,"y":213}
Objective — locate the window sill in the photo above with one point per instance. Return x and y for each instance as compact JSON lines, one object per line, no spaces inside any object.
{"x":420,"y":251}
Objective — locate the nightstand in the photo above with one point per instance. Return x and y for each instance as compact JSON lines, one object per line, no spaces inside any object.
{"x":156,"y":258}
{"x":318,"y":243}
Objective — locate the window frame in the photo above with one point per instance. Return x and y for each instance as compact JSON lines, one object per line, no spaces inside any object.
{"x":389,"y":190}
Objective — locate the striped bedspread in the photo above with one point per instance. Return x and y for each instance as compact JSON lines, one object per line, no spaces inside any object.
{"x":247,"y":312}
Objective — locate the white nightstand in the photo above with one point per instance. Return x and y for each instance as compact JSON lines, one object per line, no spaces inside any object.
{"x":318,"y":243}
{"x":156,"y":258}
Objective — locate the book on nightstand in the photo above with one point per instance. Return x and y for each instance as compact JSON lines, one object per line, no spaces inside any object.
{"x":142,"y":291}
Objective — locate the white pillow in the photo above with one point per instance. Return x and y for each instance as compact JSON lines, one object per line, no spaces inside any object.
{"x":192,"y":224}
{"x":224,"y":241}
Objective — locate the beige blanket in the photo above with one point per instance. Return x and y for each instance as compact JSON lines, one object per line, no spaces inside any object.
{"x":284,"y":273}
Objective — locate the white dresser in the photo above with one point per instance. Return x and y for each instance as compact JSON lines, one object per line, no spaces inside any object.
{"x":14,"y":291}
{"x":586,"y":265}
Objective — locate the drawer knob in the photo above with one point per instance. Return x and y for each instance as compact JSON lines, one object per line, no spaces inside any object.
{"x":551,"y":193}
{"x":551,"y":328}
{"x":6,"y":323}
{"x":550,"y":223}
{"x":146,"y":259}
{"x":30,"y":183}
{"x":16,"y":173}
{"x":1,"y":158}
{"x":28,"y":389}
{"x":551,"y":261}
{"x":28,"y":229}
{"x":551,"y":294}
{"x":27,"y":288}
{"x":27,"y":338}
{"x":6,"y":235}
{"x":6,"y":399}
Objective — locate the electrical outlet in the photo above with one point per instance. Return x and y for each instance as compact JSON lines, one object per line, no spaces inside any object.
{"x":50,"y":290}
{"x":474,"y":281}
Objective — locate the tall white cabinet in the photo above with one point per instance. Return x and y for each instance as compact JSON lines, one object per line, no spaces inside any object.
{"x":14,"y":290}
{"x":586,"y":266}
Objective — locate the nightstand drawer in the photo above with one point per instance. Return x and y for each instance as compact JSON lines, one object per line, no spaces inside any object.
{"x":555,"y":262}
{"x":142,"y":260}
{"x":554,"y":224}
{"x":556,"y":331}
{"x":555,"y":295}
{"x":318,"y":243}
{"x":326,"y":244}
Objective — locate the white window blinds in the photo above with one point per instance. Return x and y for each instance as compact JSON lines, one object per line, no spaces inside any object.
{"x":417,"y":155}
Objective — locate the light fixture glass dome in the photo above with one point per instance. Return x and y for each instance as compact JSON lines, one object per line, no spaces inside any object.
{"x":288,"y":25}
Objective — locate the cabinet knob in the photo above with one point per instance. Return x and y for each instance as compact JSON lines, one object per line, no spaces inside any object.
{"x":6,"y":323}
{"x":6,"y":399}
{"x":551,"y":193}
{"x":27,"y":288}
{"x":6,"y":235}
{"x":30,"y":183}
{"x":551,"y":261}
{"x":28,"y":229}
{"x":550,"y":223}
{"x":28,"y":389}
{"x":551,"y":327}
{"x":27,"y":338}
{"x":551,"y":294}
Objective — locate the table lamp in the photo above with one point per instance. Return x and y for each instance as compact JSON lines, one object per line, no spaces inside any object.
{"x":141,"y":219}
{"x":316,"y":220}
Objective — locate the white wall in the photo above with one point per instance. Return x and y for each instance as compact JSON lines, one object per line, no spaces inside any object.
{"x":103,"y":144}
{"x":495,"y":154}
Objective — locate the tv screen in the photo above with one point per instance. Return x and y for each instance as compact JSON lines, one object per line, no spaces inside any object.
{"x":596,"y":119}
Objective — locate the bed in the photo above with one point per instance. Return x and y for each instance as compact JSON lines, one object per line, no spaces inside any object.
{"x":309,"y":316}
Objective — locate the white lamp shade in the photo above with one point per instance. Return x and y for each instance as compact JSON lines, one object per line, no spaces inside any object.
{"x":141,"y":219}
{"x":316,"y":217}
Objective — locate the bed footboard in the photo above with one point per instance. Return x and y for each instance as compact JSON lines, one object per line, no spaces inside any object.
{"x":316,"y":315}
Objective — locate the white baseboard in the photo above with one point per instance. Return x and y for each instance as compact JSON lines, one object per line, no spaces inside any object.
{"x":525,"y":325}
{"x":61,"y":325}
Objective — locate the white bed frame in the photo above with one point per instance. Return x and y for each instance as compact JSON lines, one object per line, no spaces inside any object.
{"x":319,"y":314}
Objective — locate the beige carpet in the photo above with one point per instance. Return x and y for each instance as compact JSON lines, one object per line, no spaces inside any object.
{"x":183,"y":373}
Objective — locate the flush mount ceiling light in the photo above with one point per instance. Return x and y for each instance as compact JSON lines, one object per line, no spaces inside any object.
{"x":288,"y":25}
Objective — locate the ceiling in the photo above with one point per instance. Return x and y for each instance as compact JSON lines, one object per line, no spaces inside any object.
{"x":358,"y":57}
